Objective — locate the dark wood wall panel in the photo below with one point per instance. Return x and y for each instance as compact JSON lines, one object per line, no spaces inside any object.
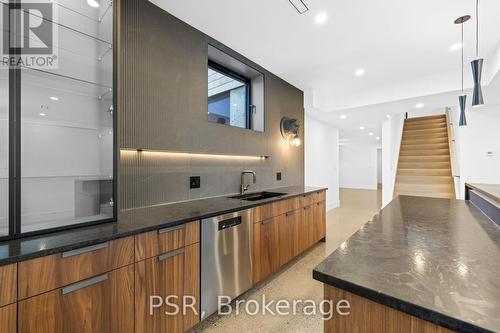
{"x":163,"y":106}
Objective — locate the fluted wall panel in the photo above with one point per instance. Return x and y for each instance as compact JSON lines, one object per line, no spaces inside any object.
{"x":163,"y":106}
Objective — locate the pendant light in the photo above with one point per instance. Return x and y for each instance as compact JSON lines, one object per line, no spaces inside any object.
{"x":477,"y":68}
{"x":462,"y":99}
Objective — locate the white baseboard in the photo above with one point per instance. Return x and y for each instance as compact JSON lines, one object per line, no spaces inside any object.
{"x":332,"y":205}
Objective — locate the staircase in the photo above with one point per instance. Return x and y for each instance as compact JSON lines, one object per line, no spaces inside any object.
{"x":424,"y":167}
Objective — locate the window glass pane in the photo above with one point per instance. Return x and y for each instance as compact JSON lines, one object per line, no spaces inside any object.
{"x":67,"y":124}
{"x":4,"y":151}
{"x":227,"y":100}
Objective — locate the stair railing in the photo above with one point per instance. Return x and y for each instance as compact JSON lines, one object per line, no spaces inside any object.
{"x":451,"y":144}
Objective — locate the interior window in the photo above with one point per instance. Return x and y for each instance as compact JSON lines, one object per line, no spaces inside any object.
{"x":228,"y":97}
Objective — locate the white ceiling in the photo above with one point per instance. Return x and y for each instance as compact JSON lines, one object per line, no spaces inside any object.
{"x":404,"y":46}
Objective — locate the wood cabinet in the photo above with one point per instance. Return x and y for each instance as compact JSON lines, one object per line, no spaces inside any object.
{"x":101,"y":304}
{"x":8,"y":284}
{"x":51,"y":272}
{"x":319,"y":229}
{"x":368,"y":316}
{"x":288,"y":236}
{"x":305,"y":230}
{"x":308,"y":199}
{"x":266,"y":258}
{"x":175,"y":274}
{"x":290,"y":229}
{"x":107,"y":287}
{"x":160,"y":241}
{"x":8,"y":317}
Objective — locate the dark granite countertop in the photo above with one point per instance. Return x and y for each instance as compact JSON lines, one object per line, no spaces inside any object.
{"x":436,"y":259}
{"x":132,"y":222}
{"x":490,"y":190}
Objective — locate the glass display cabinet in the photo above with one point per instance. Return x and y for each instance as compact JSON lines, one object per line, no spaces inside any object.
{"x":57,"y":124}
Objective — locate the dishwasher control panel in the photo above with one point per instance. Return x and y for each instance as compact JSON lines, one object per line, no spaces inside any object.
{"x":229,"y":223}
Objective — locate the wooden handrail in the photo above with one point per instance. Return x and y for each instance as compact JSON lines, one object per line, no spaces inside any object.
{"x":451,"y":146}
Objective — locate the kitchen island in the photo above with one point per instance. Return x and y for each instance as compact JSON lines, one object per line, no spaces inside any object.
{"x":421,"y":265}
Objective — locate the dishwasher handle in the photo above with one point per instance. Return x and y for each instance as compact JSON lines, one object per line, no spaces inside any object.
{"x":229,"y":223}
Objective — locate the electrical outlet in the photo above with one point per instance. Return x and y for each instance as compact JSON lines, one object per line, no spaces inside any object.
{"x":278,"y":176}
{"x":194,"y":182}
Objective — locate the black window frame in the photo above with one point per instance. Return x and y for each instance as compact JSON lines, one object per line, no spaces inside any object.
{"x":14,"y":153}
{"x":241,"y":78}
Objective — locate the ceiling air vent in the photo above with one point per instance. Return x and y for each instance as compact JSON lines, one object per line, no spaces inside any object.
{"x":299,"y":5}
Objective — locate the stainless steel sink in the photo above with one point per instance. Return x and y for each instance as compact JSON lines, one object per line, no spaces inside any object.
{"x":257,"y":196}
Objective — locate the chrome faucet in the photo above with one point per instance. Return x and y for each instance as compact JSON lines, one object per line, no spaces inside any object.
{"x":244,"y":188}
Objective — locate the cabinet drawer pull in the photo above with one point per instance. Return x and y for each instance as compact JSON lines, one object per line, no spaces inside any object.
{"x":177,"y":227}
{"x":84,"y":250}
{"x":84,"y":284}
{"x":170,"y":254}
{"x":268,"y":221}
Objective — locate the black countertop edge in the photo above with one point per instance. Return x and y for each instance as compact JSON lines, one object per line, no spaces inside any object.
{"x":248,"y":205}
{"x":73,"y":246}
{"x":400,"y":305}
{"x":131,"y":231}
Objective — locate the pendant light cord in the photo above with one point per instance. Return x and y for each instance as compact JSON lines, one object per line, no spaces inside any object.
{"x":477,"y":28}
{"x":462,"y":56}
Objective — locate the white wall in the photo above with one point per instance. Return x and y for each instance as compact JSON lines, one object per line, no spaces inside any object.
{"x":480,"y":136}
{"x":392,"y":130}
{"x":358,"y":166}
{"x":379,"y":165}
{"x":322,"y":158}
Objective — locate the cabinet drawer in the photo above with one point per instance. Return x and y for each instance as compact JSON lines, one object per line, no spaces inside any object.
{"x":265,"y":248}
{"x":307,"y":199}
{"x":262,"y":213}
{"x":8,"y":284}
{"x":293,"y":204}
{"x":8,"y":318}
{"x":153,"y":243}
{"x":319,"y":196}
{"x":51,"y":272}
{"x":175,"y":273}
{"x":101,"y":304}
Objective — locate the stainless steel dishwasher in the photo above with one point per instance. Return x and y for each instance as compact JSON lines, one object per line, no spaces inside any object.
{"x":226,"y":258}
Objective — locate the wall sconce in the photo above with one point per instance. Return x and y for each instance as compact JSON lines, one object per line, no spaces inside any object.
{"x":290,"y":130}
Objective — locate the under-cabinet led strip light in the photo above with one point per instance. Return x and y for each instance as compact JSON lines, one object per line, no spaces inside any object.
{"x":189,"y":154}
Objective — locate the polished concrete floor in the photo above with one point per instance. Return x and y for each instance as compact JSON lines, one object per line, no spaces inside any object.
{"x":295,"y":281}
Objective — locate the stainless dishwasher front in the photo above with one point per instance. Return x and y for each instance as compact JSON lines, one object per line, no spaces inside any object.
{"x":226,"y":258}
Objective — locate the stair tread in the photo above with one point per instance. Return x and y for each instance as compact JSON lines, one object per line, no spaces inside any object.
{"x":424,"y":167}
{"x":430,"y":195}
{"x":415,"y":119}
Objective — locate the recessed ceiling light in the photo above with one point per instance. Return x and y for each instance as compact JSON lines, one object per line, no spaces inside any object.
{"x":456,"y":47}
{"x":388,"y":116}
{"x":343,"y":116}
{"x":54,"y":98}
{"x":362,"y":128}
{"x":377,"y":138}
{"x":370,"y":134}
{"x":321,"y":18}
{"x":42,"y":114}
{"x":360,"y":72}
{"x":419,"y":105}
{"x":93,"y":3}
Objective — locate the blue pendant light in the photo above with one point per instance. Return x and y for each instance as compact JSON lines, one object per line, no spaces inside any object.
{"x":477,"y":68}
{"x":463,"y":98}
{"x":461,"y":102}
